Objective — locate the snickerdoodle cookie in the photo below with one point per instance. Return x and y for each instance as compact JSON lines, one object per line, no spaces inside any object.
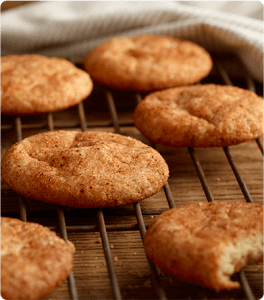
{"x":84,"y":169}
{"x":147,"y":62}
{"x":206,"y":115}
{"x":34,"y":260}
{"x":33,"y":84}
{"x":205,"y":243}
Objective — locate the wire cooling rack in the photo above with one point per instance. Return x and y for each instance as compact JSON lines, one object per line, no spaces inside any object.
{"x":119,"y":280}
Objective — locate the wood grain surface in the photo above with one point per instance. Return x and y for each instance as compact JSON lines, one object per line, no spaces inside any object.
{"x":129,"y":260}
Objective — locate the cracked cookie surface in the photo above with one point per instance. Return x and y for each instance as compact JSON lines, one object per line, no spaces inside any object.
{"x":205,"y":243}
{"x":84,"y":169}
{"x":147,"y":62}
{"x":33,"y":84}
{"x":34,"y":260}
{"x":200,"y":116}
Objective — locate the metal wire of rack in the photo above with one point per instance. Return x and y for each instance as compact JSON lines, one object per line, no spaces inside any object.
{"x":141,"y":226}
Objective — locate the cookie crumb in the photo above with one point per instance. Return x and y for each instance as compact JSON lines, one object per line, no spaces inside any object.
{"x":147,"y":284}
{"x":143,"y":274}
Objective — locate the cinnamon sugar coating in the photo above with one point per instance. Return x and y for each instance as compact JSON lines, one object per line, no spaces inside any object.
{"x":147,"y":62}
{"x":34,"y":260}
{"x":84,"y":169}
{"x":205,"y":243}
{"x":206,"y":115}
{"x":33,"y":84}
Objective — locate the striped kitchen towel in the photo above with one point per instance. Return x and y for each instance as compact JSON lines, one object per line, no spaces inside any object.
{"x":73,"y":28}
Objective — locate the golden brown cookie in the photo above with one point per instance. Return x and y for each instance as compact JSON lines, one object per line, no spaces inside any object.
{"x":33,"y":84}
{"x":200,"y":116}
{"x":147,"y":62}
{"x":34,"y":260}
{"x":84,"y":169}
{"x":205,"y":243}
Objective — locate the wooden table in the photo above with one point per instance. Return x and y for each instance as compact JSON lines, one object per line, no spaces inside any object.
{"x":129,"y":260}
{"x":132,"y":277}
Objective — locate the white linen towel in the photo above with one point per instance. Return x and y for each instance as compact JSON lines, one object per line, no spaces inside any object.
{"x":73,"y":28}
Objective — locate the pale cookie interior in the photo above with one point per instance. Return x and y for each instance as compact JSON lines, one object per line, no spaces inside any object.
{"x":206,"y":243}
{"x":238,"y":255}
